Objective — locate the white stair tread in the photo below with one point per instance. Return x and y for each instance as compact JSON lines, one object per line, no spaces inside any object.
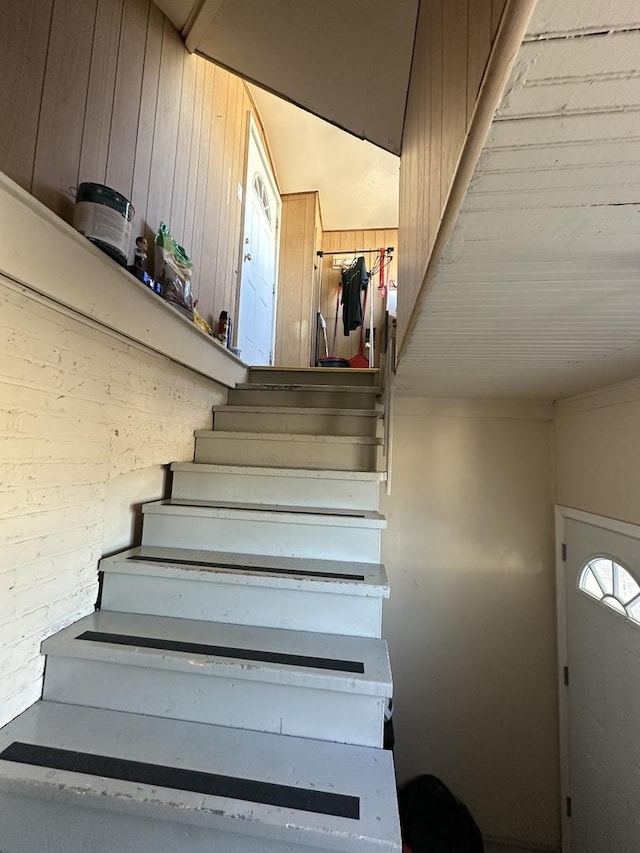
{"x":307,"y":473}
{"x":246,"y":505}
{"x":300,"y":410}
{"x":301,"y":659}
{"x":268,"y":512}
{"x":327,"y":776}
{"x":290,"y":386}
{"x":364,"y":579}
{"x":310,"y":438}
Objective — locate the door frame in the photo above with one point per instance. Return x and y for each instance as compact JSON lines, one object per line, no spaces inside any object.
{"x":253,"y":133}
{"x":612,"y":525}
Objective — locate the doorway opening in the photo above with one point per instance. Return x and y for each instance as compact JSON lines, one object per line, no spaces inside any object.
{"x":257,"y":295}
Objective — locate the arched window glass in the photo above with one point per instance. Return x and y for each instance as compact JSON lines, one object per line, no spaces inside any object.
{"x":613,"y":585}
{"x":261,"y":191}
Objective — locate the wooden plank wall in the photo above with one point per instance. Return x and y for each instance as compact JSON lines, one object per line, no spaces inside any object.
{"x":338,"y":241}
{"x":453,"y":43}
{"x":104,"y":91}
{"x":301,"y":237}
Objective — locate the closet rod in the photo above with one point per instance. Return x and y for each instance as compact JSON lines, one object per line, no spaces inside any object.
{"x":388,"y":250}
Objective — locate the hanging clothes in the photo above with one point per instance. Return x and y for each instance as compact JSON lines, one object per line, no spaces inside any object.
{"x":354,"y":281}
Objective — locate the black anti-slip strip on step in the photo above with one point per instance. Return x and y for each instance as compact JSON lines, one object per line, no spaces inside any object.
{"x":306,"y":573}
{"x":223,"y":651}
{"x":158,"y":775}
{"x":272,"y":509}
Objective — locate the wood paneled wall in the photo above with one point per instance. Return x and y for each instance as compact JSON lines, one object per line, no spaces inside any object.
{"x":105,"y":91}
{"x":301,"y":238}
{"x":339,"y":241}
{"x":453,"y":43}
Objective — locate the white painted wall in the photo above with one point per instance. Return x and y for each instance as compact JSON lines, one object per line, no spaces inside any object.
{"x":596,"y":451}
{"x":87,"y":420}
{"x":471,"y":619}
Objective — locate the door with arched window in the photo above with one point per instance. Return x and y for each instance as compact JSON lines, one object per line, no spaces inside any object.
{"x":259,"y":257}
{"x":602,"y":685}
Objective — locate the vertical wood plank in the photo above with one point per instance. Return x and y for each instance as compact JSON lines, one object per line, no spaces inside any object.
{"x":330,"y":295}
{"x":212,"y":187}
{"x":416,"y":165}
{"x":357,"y":240}
{"x":244,"y":107}
{"x":403,"y":242}
{"x":424,"y":136}
{"x":165,"y":132}
{"x":203,"y":279}
{"x":435,"y":51}
{"x":304,"y":331}
{"x":127,"y":96}
{"x":183,"y":148}
{"x":317,"y":265}
{"x":285,"y":263}
{"x":213,"y":294}
{"x":146,"y":121}
{"x":301,"y":330}
{"x":194,"y":154}
{"x":216,"y":192}
{"x":328,"y":287}
{"x":284,"y":270}
{"x":64,"y":100}
{"x":479,"y":46}
{"x":100,"y":94}
{"x":24,"y":39}
{"x":226,"y":217}
{"x":224,"y":212}
{"x":454,"y":89}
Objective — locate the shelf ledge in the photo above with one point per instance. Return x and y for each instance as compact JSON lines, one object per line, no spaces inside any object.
{"x":42,"y":253}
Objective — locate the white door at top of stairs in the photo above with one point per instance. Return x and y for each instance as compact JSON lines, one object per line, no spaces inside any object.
{"x":257,"y":298}
{"x":602,"y":697}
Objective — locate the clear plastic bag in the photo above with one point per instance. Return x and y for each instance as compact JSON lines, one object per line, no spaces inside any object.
{"x":174,"y":270}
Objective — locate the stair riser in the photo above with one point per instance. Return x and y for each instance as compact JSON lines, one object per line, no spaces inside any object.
{"x":30,"y":825}
{"x":286,"y":454}
{"x":297,"y":610}
{"x":281,"y":491}
{"x":236,"y":703}
{"x":280,"y":539}
{"x":315,"y":399}
{"x":295,"y":424}
{"x":316,"y":377}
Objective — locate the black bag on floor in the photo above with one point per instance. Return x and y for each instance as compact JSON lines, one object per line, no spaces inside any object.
{"x":434,"y":821}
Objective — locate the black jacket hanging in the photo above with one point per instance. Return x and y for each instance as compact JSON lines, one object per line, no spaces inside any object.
{"x":354,"y":281}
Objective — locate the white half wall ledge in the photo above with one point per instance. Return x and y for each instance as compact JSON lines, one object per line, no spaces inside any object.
{"x":44,"y":254}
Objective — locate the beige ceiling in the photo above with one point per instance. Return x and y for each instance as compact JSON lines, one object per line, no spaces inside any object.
{"x":357,"y":181}
{"x":346,"y":61}
{"x":538,"y":292}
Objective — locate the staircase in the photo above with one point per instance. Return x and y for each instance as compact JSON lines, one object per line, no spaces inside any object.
{"x":230,"y":693}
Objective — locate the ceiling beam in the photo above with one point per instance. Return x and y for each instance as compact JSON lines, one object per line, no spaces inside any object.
{"x":198,"y":22}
